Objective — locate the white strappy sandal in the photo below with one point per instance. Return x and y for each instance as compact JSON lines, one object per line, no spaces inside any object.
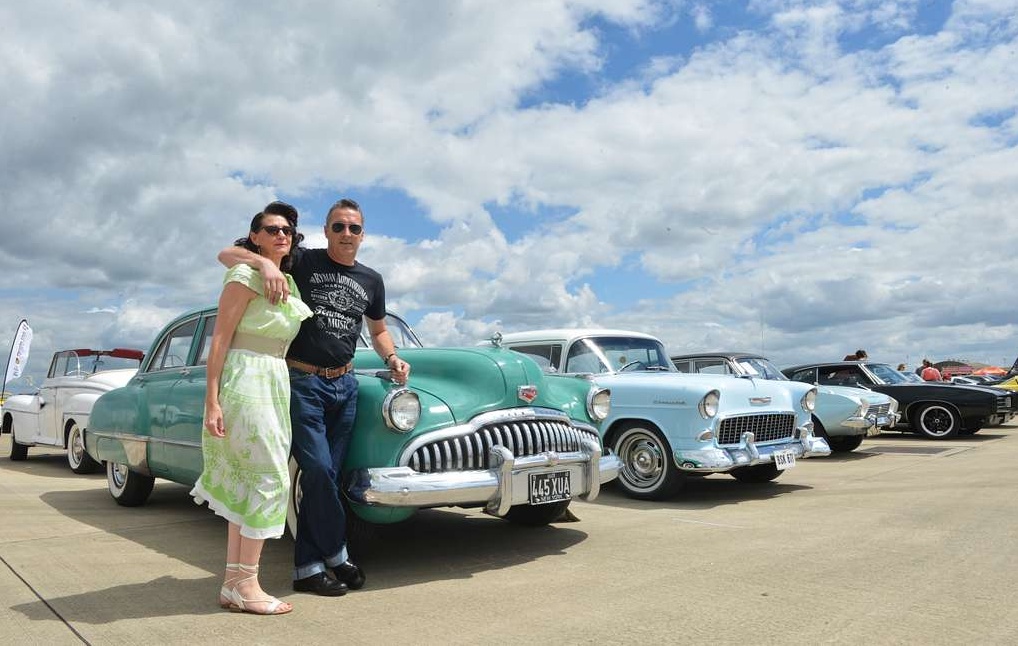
{"x":240,"y":604}
{"x":225,"y":594}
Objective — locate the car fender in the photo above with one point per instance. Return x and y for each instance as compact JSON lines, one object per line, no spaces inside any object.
{"x":21,"y":415}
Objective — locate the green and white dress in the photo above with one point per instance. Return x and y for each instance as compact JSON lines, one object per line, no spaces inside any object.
{"x":246,"y":479}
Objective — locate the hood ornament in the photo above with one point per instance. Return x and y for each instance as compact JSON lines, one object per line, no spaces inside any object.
{"x":759,"y":401}
{"x":527,"y":393}
{"x":496,"y":339}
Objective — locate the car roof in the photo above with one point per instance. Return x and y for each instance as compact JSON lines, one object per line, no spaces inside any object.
{"x":570,"y":334}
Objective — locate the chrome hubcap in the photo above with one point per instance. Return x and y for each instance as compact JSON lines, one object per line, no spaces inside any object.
{"x":77,"y":448}
{"x":642,"y":459}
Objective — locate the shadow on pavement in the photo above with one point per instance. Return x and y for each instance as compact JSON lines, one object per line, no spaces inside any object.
{"x":432,"y":545}
{"x":46,"y":465}
{"x":700,"y":493}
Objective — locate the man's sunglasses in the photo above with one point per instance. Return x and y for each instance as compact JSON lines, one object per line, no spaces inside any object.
{"x":272,"y":230}
{"x":355,"y":229}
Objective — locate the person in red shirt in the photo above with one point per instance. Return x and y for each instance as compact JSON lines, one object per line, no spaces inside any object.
{"x":930,"y":373}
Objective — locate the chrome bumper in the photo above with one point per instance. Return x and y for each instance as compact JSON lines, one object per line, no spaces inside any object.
{"x":870,"y":424}
{"x":716,"y":459}
{"x":496,"y":489}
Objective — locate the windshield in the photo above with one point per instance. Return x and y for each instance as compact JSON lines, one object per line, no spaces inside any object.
{"x":400,"y":331}
{"x":886,"y":374}
{"x":758,"y":367}
{"x":617,"y":354}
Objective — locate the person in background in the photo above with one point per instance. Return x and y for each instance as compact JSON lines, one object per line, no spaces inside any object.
{"x":342,"y":293}
{"x":930,"y":372}
{"x":902,"y":367}
{"x":860,"y":355}
{"x":246,"y":446}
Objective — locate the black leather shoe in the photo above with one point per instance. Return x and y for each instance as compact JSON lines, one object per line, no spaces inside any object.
{"x":321,"y":584}
{"x":350,"y":574}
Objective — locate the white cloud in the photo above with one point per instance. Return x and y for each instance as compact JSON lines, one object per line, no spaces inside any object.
{"x":802,"y":196}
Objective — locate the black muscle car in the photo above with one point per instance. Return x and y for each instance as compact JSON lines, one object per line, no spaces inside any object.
{"x":934,"y":410}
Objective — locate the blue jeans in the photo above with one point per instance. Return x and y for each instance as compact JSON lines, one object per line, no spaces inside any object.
{"x":322,"y":413}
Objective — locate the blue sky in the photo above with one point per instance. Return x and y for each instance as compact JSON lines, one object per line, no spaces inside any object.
{"x":796,"y":177}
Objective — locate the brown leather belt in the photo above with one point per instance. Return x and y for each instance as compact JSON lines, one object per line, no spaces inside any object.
{"x":328,"y":373}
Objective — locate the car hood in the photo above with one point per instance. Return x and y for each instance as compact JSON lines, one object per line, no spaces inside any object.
{"x":942,"y":389}
{"x":738,"y":394}
{"x":872,"y":396}
{"x":475,"y":380}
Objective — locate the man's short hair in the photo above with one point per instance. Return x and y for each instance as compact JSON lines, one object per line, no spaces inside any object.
{"x":344,"y":203}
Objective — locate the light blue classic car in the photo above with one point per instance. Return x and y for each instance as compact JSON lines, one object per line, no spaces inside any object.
{"x":667,"y":426}
{"x":843,"y":416}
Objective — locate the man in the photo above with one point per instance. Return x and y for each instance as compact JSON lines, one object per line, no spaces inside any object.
{"x":323,"y":390}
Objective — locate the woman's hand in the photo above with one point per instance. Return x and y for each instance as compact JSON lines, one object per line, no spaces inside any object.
{"x":214,"y":420}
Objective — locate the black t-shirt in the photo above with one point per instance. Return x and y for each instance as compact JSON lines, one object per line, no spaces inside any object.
{"x":339,"y":296}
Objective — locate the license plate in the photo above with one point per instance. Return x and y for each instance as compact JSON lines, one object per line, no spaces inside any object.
{"x":549,"y":487}
{"x":784,"y":460}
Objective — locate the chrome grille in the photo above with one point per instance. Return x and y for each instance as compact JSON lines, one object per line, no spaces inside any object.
{"x":473,"y":451}
{"x":766,"y":427}
{"x":1003,"y":403}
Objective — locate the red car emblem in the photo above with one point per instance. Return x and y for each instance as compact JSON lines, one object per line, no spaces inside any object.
{"x":527,"y":393}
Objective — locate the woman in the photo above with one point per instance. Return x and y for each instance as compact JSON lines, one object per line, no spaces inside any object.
{"x":247,"y":419}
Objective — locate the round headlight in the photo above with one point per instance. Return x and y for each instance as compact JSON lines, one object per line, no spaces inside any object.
{"x":709,"y":404}
{"x":809,"y":400}
{"x":599,"y":403}
{"x":401,"y":410}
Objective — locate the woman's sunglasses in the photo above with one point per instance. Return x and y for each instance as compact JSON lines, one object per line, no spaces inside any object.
{"x":272,"y":230}
{"x":355,"y":229}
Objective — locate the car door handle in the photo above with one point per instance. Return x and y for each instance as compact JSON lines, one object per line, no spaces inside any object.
{"x":185,"y":372}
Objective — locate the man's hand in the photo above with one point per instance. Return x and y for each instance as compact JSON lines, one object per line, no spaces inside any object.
{"x":400,"y":370}
{"x":277,"y":290}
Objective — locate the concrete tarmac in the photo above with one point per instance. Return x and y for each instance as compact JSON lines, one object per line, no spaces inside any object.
{"x":903,"y":541}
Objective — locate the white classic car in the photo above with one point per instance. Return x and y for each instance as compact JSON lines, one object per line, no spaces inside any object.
{"x":58,"y":413}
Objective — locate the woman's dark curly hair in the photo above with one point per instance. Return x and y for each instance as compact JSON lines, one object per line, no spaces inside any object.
{"x":273,"y":208}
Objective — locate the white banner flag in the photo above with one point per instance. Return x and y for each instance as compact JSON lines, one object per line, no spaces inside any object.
{"x":19,"y":352}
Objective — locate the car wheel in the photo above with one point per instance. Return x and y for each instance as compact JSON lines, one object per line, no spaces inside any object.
{"x":648,"y":471}
{"x":756,"y":474}
{"x":537,"y":515}
{"x":844,"y":444}
{"x":358,"y":530}
{"x":18,"y":451}
{"x":128,"y":488}
{"x":937,"y":422}
{"x":77,"y":458}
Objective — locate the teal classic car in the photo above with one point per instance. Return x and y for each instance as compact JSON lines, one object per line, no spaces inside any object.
{"x":667,"y":426}
{"x":474,"y":427}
